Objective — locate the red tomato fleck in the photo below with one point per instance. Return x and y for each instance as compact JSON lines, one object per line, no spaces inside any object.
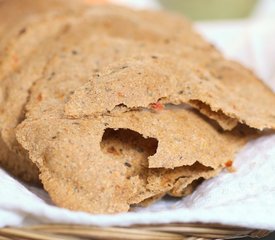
{"x":157,"y":106}
{"x":229,"y":163}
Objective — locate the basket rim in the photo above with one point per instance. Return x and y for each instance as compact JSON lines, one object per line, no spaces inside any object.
{"x":172,"y":231}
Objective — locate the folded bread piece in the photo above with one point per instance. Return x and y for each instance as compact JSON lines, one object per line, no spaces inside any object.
{"x":176,"y":79}
{"x":104,"y":164}
{"x":251,"y":95}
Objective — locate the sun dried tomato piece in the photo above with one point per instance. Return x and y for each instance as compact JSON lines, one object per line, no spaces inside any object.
{"x":157,"y":106}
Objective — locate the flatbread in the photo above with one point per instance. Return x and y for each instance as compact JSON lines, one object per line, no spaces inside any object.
{"x":26,"y":24}
{"x":251,"y":94}
{"x":84,"y":169}
{"x":101,"y":104}
{"x":21,"y":64}
{"x":165,"y":79}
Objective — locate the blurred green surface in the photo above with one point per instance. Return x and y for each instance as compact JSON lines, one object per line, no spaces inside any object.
{"x":211,"y":9}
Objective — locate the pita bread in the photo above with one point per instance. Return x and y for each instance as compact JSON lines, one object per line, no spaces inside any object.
{"x":162,"y":79}
{"x":14,"y":89}
{"x":81,"y":105}
{"x":101,"y":164}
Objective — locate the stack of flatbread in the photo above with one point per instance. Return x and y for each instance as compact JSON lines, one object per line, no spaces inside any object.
{"x":110,"y":107}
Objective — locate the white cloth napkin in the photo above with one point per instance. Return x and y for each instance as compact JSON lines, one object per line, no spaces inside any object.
{"x":243,"y":198}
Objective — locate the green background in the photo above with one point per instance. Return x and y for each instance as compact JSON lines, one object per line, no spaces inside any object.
{"x":211,"y":9}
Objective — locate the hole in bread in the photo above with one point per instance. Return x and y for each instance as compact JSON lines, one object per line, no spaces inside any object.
{"x":130,"y":148}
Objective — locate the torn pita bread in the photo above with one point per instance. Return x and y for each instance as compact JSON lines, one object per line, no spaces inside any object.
{"x":165,"y":79}
{"x":117,"y":23}
{"x":17,"y":84}
{"x":46,"y":102}
{"x":179,"y":39}
{"x":255,"y":102}
{"x":101,"y":164}
{"x":113,"y":156}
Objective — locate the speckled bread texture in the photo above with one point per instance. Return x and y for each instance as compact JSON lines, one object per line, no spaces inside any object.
{"x":224,"y":90}
{"x":158,"y":78}
{"x":250,"y":94}
{"x":25,"y":24}
{"x":123,"y":165}
{"x":24,"y":60}
{"x":82,"y":105}
{"x":22,"y":34}
{"x":84,"y":168}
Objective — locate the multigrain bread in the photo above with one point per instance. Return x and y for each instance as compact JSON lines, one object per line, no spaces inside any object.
{"x":179,"y":79}
{"x":22,"y":33}
{"x":104,"y":102}
{"x":107,"y":163}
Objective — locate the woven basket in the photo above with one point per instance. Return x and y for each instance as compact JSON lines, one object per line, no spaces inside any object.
{"x":148,"y":232}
